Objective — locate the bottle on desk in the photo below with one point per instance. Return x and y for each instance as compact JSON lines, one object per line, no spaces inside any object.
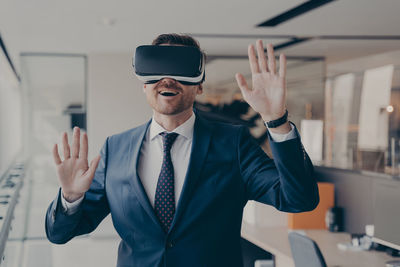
{"x":334,"y":219}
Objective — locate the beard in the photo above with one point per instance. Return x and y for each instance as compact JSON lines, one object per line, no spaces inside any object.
{"x":172,"y":109}
{"x":183,"y":101}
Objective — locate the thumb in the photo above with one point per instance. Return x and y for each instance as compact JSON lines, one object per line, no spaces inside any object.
{"x":93,"y":166}
{"x":241,"y":81}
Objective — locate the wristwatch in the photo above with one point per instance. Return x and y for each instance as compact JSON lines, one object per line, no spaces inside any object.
{"x":277,"y":122}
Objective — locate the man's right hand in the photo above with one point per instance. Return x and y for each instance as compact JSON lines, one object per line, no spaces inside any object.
{"x":74,"y":173}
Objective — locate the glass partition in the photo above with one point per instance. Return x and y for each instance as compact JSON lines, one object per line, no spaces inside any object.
{"x":55,"y":85}
{"x":54,"y":88}
{"x":349,"y":119}
{"x":362,"y":120}
{"x":222,"y":99}
{"x":10,"y":113}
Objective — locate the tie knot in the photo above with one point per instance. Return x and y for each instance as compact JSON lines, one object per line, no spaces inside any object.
{"x":168,"y":140}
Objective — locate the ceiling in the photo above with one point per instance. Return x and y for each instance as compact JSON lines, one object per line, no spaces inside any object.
{"x":223,"y":27}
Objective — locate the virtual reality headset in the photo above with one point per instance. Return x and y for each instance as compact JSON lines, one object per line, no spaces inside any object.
{"x":185,"y":64}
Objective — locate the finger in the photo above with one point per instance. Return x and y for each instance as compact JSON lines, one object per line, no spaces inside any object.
{"x":282,"y":66}
{"x":253,"y":60}
{"x":261,"y":56}
{"x":84,"y":147}
{"x":66,"y":148}
{"x":56,"y":156}
{"x":75,"y":143}
{"x":93,"y":166}
{"x":241,"y":81}
{"x":271,"y":58}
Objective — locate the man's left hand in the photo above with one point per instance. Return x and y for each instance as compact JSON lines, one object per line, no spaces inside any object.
{"x":268,"y":93}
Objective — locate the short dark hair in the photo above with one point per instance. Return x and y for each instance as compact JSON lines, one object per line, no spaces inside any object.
{"x":176,"y":39}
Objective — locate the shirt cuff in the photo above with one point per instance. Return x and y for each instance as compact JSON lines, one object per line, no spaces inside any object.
{"x":277,"y":137}
{"x":70,"y":207}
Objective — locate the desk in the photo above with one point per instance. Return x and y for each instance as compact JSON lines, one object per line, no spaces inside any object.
{"x":275,"y":240}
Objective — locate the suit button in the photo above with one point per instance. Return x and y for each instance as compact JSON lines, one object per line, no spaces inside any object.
{"x":170,"y":244}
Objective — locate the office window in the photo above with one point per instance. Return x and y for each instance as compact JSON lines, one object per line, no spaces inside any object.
{"x":222,"y":99}
{"x":55,"y":86}
{"x":348,"y":113}
{"x":362,"y":120}
{"x":10,"y":114}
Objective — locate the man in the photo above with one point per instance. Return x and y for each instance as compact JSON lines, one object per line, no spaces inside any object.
{"x":177,"y":185}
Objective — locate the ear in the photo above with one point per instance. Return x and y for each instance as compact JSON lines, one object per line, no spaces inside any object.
{"x":200,"y":89}
{"x":144,"y":88}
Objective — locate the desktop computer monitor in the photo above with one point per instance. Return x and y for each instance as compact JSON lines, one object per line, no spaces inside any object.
{"x":386,"y":212}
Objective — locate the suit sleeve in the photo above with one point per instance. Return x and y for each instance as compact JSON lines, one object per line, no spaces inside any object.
{"x":286,"y":182}
{"x":62,"y":227}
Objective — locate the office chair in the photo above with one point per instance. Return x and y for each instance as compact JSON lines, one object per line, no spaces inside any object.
{"x":305,"y":251}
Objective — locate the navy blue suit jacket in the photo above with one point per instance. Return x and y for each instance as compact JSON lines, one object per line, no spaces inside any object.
{"x":226,"y":169}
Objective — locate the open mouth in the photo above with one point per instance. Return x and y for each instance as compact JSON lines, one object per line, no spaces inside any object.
{"x":168,"y":93}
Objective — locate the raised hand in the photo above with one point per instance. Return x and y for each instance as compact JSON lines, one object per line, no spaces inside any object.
{"x":268,"y":93}
{"x":74,"y":173}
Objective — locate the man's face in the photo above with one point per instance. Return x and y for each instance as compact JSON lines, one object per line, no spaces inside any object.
{"x":170,"y":97}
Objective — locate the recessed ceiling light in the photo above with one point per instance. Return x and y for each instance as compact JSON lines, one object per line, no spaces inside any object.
{"x":106,"y":21}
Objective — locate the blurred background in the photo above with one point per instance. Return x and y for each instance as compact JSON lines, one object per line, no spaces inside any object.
{"x":66,"y":64}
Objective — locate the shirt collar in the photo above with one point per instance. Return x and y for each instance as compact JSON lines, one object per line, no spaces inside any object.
{"x":185,"y":129}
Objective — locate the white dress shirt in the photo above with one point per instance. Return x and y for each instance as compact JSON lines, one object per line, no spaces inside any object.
{"x":151,"y":156}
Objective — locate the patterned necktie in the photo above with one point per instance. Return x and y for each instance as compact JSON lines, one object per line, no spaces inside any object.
{"x":164,"y":203}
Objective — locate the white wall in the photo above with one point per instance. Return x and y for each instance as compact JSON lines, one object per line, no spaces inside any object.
{"x":115,"y":100}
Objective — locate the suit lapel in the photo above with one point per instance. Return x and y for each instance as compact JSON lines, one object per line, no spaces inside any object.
{"x":201,"y":140}
{"x":134,"y":151}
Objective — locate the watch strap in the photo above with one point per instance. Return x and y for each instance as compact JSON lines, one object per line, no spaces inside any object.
{"x":277,"y":122}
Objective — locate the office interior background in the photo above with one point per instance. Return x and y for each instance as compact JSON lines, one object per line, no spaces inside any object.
{"x":65,"y":64}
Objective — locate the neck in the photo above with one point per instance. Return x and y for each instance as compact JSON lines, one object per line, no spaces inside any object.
{"x":171,"y":122}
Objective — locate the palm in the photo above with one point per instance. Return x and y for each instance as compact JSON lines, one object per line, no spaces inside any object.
{"x":74,"y":173}
{"x":268,"y":92}
{"x":72,"y":170}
